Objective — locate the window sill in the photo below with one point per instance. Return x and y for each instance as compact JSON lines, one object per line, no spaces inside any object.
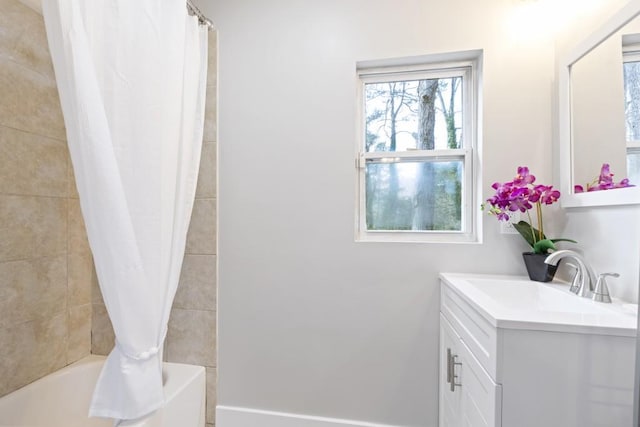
{"x":417,"y":237}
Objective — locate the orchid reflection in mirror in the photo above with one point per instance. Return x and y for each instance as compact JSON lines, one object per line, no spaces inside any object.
{"x":603,"y":182}
{"x":521,"y":194}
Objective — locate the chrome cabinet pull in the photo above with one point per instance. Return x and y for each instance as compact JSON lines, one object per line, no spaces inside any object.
{"x":451,"y":368}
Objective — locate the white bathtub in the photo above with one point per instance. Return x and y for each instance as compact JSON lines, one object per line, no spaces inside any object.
{"x":62,"y":399}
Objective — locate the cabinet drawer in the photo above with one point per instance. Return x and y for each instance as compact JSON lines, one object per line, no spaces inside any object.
{"x":474,"y":330}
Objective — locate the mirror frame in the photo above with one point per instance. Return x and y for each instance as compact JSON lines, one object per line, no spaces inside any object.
{"x":619,"y":196}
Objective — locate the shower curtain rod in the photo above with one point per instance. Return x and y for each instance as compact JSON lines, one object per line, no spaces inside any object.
{"x":193,"y":10}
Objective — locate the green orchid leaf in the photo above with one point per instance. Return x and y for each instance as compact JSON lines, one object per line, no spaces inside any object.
{"x":529,"y":233}
{"x":531,"y":236}
{"x":544,"y":246}
{"x":563,"y":240}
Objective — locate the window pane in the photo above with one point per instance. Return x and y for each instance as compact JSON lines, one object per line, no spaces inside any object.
{"x":632,"y":100}
{"x":416,"y":196}
{"x":413,"y":114}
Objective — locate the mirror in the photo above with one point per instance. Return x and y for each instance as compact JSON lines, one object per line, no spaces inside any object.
{"x":598,"y":123}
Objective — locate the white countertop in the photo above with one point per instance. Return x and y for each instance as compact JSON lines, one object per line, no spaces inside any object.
{"x":515,"y":302}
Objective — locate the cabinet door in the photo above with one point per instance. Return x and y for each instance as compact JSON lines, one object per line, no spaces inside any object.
{"x":481,"y":403}
{"x":474,"y":400}
{"x":450,"y":403}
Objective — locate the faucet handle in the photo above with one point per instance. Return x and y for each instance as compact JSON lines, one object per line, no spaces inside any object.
{"x":577,"y":277}
{"x":601,"y":292}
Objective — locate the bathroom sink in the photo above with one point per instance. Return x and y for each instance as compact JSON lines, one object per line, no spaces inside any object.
{"x":526,"y":295}
{"x":519,"y":303}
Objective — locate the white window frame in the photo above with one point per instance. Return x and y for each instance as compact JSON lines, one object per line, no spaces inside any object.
{"x":465,"y":64}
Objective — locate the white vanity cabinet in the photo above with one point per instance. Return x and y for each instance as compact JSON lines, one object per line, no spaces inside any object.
{"x":555,"y":364}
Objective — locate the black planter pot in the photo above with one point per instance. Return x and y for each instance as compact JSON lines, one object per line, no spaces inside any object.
{"x":537,"y":269}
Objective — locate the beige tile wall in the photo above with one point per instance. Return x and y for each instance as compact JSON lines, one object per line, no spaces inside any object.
{"x":191,"y":337}
{"x":51,"y":309}
{"x":45,"y":263}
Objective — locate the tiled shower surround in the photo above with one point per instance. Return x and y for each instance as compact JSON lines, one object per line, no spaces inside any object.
{"x":45,"y":263}
{"x":51,"y":309}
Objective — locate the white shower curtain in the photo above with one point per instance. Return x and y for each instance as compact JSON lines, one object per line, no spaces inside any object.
{"x":132,"y":78}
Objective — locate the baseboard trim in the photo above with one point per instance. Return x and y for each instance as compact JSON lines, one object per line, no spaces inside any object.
{"x":231,"y":416}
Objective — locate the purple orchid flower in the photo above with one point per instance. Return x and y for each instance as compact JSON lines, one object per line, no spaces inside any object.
{"x":522,"y":195}
{"x":548,"y":195}
{"x":604,"y":181}
{"x":524,"y":177}
{"x":606,"y":177}
{"x":624,"y":183}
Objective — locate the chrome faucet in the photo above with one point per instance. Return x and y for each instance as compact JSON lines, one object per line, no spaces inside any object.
{"x":585,"y":277}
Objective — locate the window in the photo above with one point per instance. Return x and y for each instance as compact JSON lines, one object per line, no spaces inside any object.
{"x":417,"y":151}
{"x":632,"y":110}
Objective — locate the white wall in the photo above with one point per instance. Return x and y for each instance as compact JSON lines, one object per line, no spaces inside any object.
{"x":311,"y":322}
